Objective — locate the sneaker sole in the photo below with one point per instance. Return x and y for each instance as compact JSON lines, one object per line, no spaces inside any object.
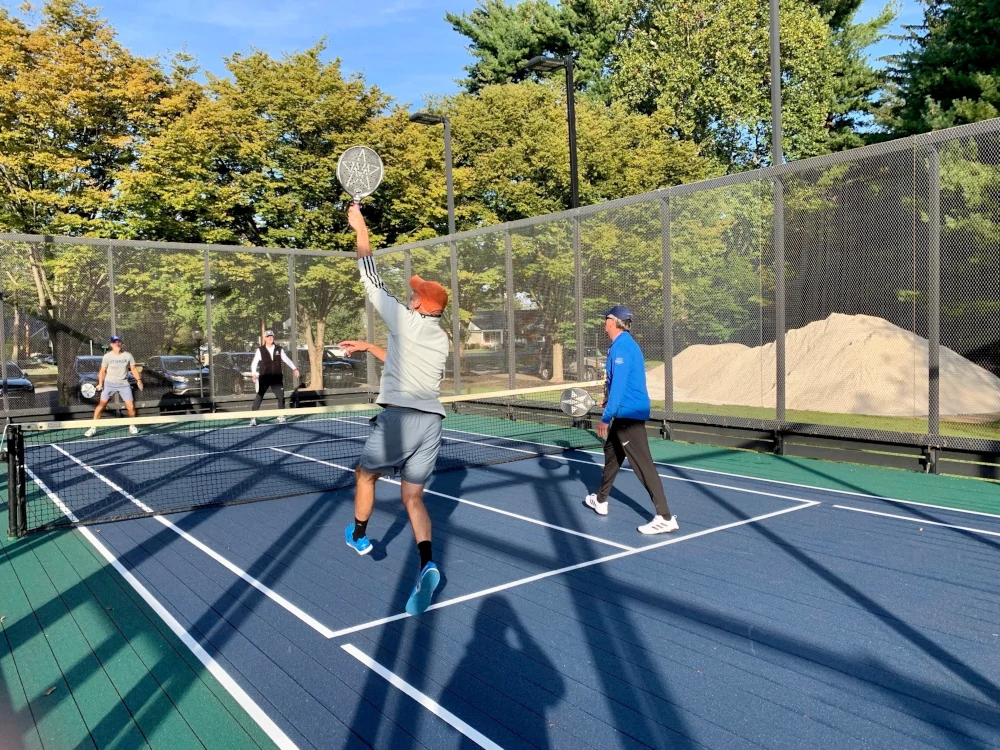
{"x":596,"y":510}
{"x":364,"y":551}
{"x":654,"y":533}
{"x":420,"y":600}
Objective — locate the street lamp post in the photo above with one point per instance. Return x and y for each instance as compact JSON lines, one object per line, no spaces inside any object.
{"x":427,"y":118}
{"x":543,"y":64}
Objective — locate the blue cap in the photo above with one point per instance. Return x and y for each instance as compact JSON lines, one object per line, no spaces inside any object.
{"x":619,"y":311}
{"x":114,"y":339}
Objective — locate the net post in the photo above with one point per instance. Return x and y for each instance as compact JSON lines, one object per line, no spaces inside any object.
{"x":13,"y":510}
{"x":208,"y":330}
{"x":17,"y":520}
{"x":668,"y":321}
{"x":456,"y":320}
{"x":934,"y":295}
{"x":508,"y":251}
{"x":578,"y":293}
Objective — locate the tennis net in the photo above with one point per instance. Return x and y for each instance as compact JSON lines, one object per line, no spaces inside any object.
{"x":58,"y":475}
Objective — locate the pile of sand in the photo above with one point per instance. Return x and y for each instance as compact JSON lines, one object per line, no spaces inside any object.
{"x":848,"y":364}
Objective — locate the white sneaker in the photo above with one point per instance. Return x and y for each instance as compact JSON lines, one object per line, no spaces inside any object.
{"x":253,"y":422}
{"x":133,"y":430}
{"x":660,"y":525}
{"x":281,"y":420}
{"x":91,"y":432}
{"x":600,"y":508}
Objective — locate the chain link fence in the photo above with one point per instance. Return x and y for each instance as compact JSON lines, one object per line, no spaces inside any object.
{"x":856,"y":294}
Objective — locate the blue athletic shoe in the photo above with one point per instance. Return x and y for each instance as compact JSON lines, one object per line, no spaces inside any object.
{"x":362,"y":546}
{"x":420,"y":598}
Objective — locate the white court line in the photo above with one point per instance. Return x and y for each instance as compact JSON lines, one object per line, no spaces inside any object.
{"x":216,"y":453}
{"x":578,"y":566}
{"x":246,"y":702}
{"x":490,"y":508}
{"x":224,"y":562}
{"x":734,"y":475}
{"x":423,"y":699}
{"x":918,"y":520}
{"x":559,"y":457}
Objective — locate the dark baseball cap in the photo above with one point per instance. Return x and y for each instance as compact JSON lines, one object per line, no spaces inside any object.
{"x":114,"y":339}
{"x":619,"y":311}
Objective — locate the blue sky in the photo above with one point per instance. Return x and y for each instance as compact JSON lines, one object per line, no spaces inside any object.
{"x":404,"y":46}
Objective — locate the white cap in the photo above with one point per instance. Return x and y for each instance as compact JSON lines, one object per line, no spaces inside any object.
{"x":268,"y":332}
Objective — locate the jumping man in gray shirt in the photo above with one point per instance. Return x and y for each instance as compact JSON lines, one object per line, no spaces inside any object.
{"x":113,"y":378}
{"x":406,"y":436}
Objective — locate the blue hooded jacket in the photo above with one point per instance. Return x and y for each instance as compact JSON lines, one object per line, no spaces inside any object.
{"x":626,"y":381}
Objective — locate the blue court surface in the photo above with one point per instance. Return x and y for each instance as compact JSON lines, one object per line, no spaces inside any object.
{"x":779,"y":616}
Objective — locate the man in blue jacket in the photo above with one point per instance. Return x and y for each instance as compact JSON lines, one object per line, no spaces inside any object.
{"x":623,"y":424}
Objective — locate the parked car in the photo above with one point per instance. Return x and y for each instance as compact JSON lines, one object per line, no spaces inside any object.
{"x":20,"y":391}
{"x":86,"y":370}
{"x":232,"y":373}
{"x":338,"y":370}
{"x":174,"y":375}
{"x":43,"y":359}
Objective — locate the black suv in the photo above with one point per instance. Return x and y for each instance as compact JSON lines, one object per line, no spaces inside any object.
{"x":20,"y":391}
{"x":232,"y":373}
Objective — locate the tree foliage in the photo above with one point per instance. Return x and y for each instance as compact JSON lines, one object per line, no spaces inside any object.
{"x":950,"y":72}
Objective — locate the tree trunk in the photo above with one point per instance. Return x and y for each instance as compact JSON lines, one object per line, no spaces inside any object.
{"x":26,"y":322}
{"x":15,"y":336}
{"x":314,"y":343}
{"x":557,"y":362}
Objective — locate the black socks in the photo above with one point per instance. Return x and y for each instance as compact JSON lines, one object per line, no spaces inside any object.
{"x":424,"y":548}
{"x":360,"y":527}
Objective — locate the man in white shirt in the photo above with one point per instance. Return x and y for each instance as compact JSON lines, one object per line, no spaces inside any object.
{"x":406,"y":435}
{"x":267,"y":359}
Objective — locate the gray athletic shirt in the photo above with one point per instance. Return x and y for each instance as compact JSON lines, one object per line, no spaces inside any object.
{"x":117,"y":366}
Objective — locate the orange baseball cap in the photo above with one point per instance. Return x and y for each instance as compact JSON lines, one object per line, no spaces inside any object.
{"x":434,"y":296}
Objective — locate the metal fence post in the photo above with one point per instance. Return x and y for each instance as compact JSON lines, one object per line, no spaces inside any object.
{"x":407,"y":266}
{"x":208,"y":327}
{"x":779,"y":299}
{"x":511,"y":340}
{"x":111,"y":290}
{"x":934,"y":295}
{"x":578,"y":276}
{"x":668,"y":322}
{"x":370,"y":338}
{"x":456,"y":323}
{"x":3,"y":349}
{"x":293,"y":338}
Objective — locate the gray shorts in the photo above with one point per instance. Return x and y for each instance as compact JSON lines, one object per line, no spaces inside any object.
{"x":122,"y":389}
{"x":403,"y":442}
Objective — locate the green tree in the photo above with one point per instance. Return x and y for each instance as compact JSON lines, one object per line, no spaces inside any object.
{"x":253,"y":161}
{"x":511,"y":156}
{"x":74,"y":108}
{"x":950,"y":73}
{"x":503,"y":37}
{"x":704,"y":66}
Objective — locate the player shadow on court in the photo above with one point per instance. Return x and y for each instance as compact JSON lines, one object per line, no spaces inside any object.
{"x":592,"y":481}
{"x":503,"y":660}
